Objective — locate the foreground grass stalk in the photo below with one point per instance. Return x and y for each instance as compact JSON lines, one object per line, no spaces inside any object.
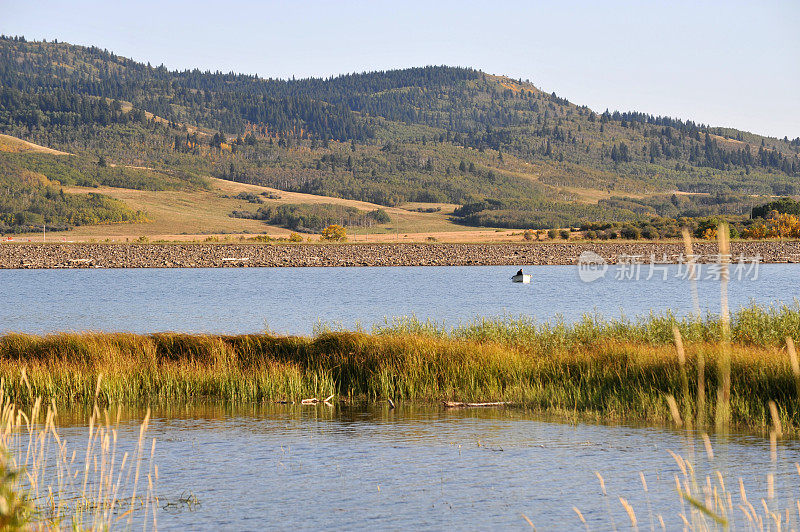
{"x":723,"y":418}
{"x":52,"y":493}
{"x":687,"y":400}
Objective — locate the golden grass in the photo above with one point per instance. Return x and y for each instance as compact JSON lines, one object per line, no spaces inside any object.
{"x":9,"y":144}
{"x":597,"y":370}
{"x":192,"y":215}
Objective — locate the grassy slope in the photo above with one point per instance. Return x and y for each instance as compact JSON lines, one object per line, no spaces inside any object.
{"x":206,"y":212}
{"x":31,"y":198}
{"x":195,"y":212}
{"x":9,"y":144}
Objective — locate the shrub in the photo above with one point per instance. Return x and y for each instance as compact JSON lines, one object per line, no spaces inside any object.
{"x":552,"y":234}
{"x":650,"y":232}
{"x":334,"y":233}
{"x":631,"y":233}
{"x":529,"y":234}
{"x":294,"y":237}
{"x":564,"y":233}
{"x":590,"y":235}
{"x":380,"y":216}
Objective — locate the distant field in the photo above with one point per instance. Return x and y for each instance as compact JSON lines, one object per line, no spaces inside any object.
{"x":190,"y":215}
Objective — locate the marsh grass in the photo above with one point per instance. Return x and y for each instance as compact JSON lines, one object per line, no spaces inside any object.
{"x":594,"y":368}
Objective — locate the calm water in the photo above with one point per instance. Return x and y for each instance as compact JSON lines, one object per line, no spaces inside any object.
{"x":304,"y":468}
{"x":293,"y":300}
{"x":312,"y":468}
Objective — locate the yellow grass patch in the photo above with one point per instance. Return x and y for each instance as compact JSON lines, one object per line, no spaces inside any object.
{"x":9,"y":144}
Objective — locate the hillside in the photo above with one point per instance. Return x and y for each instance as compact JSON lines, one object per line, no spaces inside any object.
{"x":508,"y":153}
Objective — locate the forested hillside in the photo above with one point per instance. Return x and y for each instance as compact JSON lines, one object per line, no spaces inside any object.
{"x":509,"y":153}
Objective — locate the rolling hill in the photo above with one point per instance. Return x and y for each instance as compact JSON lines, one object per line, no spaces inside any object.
{"x":508,"y":154}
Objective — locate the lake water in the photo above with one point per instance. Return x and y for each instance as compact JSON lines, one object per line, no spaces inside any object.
{"x":288,"y":467}
{"x":293,"y":300}
{"x":291,"y":467}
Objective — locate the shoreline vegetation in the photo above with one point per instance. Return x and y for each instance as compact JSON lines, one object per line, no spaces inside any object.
{"x":254,"y":254}
{"x":594,"y":369}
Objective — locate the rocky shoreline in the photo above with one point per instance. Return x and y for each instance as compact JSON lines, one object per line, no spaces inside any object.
{"x":36,"y":256}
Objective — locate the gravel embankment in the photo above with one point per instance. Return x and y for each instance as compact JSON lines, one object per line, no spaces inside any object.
{"x":265,"y":255}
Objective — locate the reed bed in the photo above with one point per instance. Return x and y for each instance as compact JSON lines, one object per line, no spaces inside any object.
{"x":599,"y":369}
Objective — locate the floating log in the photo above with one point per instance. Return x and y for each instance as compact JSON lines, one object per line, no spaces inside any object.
{"x":456,"y":404}
{"x":315,"y":401}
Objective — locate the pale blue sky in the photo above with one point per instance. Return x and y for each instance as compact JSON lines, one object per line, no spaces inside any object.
{"x":726,"y":63}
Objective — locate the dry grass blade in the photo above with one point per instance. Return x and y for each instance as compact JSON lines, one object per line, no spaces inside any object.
{"x":795,"y":364}
{"x":687,"y":400}
{"x":704,"y":509}
{"x":673,"y":408}
{"x":701,"y":388}
{"x":776,"y":420}
{"x":709,"y":448}
{"x":602,"y":482}
{"x":630,"y":512}
{"x":528,"y":521}
{"x":687,"y":243}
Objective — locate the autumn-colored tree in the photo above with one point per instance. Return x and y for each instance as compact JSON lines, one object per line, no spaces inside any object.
{"x":334,"y":233}
{"x":784,"y":225}
{"x":778,"y":225}
{"x":757,"y":231}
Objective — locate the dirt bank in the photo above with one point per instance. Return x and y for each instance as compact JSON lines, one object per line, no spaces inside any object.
{"x":260,"y":255}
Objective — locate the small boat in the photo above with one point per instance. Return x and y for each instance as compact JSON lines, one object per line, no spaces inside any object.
{"x":521,"y":278}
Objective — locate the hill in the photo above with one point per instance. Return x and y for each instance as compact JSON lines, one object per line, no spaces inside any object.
{"x":509,"y":154}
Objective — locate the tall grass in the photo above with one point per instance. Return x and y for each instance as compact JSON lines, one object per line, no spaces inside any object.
{"x":610,"y":370}
{"x":709,"y":500}
{"x":49,"y":484}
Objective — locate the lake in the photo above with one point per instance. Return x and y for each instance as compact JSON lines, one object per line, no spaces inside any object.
{"x":294,"y":300}
{"x":291,"y":467}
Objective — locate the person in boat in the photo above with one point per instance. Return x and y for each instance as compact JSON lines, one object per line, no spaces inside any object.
{"x":519,"y":272}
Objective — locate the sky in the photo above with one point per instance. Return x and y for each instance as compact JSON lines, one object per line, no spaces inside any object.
{"x":723,"y":63}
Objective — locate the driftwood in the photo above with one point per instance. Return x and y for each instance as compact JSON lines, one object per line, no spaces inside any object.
{"x":456,"y":404}
{"x":315,"y":401}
